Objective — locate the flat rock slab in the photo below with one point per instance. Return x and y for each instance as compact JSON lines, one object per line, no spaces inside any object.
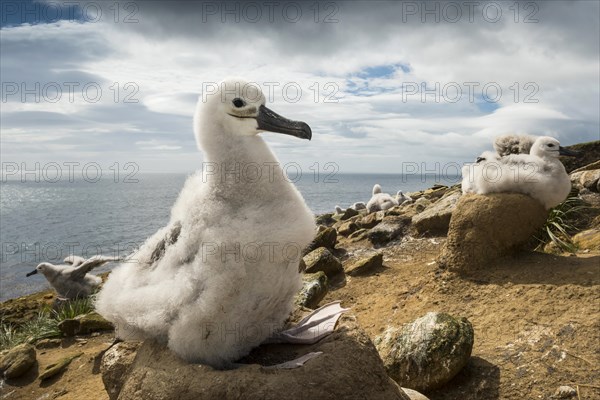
{"x":349,"y":368}
{"x":365,"y":264}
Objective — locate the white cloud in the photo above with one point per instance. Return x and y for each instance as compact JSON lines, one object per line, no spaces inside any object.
{"x":167,"y":56}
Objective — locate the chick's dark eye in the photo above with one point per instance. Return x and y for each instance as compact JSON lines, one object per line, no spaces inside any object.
{"x":239,"y":103}
{"x":550,"y":145}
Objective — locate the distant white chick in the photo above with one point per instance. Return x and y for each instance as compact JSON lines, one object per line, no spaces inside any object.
{"x":401,"y":198}
{"x":539,"y":174}
{"x":222,"y":276}
{"x":73,"y":279}
{"x":358,"y":206}
{"x":380,"y":201}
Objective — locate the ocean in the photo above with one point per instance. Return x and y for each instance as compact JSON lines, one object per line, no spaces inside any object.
{"x":46,"y":221}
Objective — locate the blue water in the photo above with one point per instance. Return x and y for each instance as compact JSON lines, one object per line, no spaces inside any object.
{"x":46,"y":221}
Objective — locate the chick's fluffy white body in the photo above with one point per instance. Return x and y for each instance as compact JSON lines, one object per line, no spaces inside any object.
{"x":227,"y":281}
{"x":539,"y":174}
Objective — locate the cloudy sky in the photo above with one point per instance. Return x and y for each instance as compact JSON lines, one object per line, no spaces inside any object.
{"x":380,"y":83}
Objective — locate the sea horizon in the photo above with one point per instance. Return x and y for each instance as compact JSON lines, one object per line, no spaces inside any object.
{"x":45,"y":221}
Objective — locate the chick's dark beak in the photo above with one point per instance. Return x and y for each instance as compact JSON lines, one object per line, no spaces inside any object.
{"x":32,"y":273}
{"x":270,"y":121}
{"x":566,"y":152}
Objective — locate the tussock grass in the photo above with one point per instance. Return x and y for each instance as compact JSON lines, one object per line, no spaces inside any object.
{"x":44,"y":325}
{"x":559,"y":228}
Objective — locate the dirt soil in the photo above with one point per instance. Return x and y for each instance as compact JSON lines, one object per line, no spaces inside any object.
{"x":80,"y":381}
{"x":536,"y":317}
{"x":536,"y":321}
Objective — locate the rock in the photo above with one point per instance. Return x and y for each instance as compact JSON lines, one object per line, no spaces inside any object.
{"x":84,"y":324}
{"x":18,"y":361}
{"x":57,"y":368}
{"x":589,"y":153}
{"x":47,"y":343}
{"x":586,"y":179}
{"x":421,"y":204}
{"x":397,"y":210}
{"x":349,"y":213}
{"x":325,"y":238}
{"x":301,"y":265}
{"x":314,"y":289}
{"x":325,"y":219}
{"x":389,"y":229}
{"x":115,"y":364}
{"x":347,"y":228}
{"x":370,"y":220}
{"x":321,"y":259}
{"x":564,"y":392}
{"x":365,"y":264}
{"x":486,"y":227}
{"x":68,"y":327}
{"x":428,"y":352}
{"x":588,"y":240}
{"x":349,"y":369}
{"x":435,"y":192}
{"x":436,"y":218}
{"x":414,"y":395}
{"x":93,"y":322}
{"x":359,"y":234}
{"x":589,"y":167}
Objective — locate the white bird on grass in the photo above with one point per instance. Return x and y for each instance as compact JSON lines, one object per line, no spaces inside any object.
{"x":222,"y":276}
{"x":73,"y":280}
{"x":539,"y":174}
{"x":380,"y":201}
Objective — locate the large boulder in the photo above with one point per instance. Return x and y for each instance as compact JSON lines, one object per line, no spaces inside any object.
{"x":18,"y":361}
{"x":428,"y":352}
{"x":348,"y":368}
{"x":436,"y":218}
{"x":486,"y":227}
{"x":390,"y":228}
{"x":321,"y":259}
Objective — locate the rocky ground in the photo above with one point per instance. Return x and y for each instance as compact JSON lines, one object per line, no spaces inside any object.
{"x":535,"y":315}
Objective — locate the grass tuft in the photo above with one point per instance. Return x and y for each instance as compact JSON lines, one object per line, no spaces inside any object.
{"x":45,"y":323}
{"x":558,"y":227}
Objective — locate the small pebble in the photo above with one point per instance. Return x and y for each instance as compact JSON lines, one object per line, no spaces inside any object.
{"x":565,"y":392}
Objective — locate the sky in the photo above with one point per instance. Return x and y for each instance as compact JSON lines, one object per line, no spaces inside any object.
{"x":384,"y":86}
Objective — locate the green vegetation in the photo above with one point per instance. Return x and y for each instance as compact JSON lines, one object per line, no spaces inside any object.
{"x":45,"y":323}
{"x":559,"y":225}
